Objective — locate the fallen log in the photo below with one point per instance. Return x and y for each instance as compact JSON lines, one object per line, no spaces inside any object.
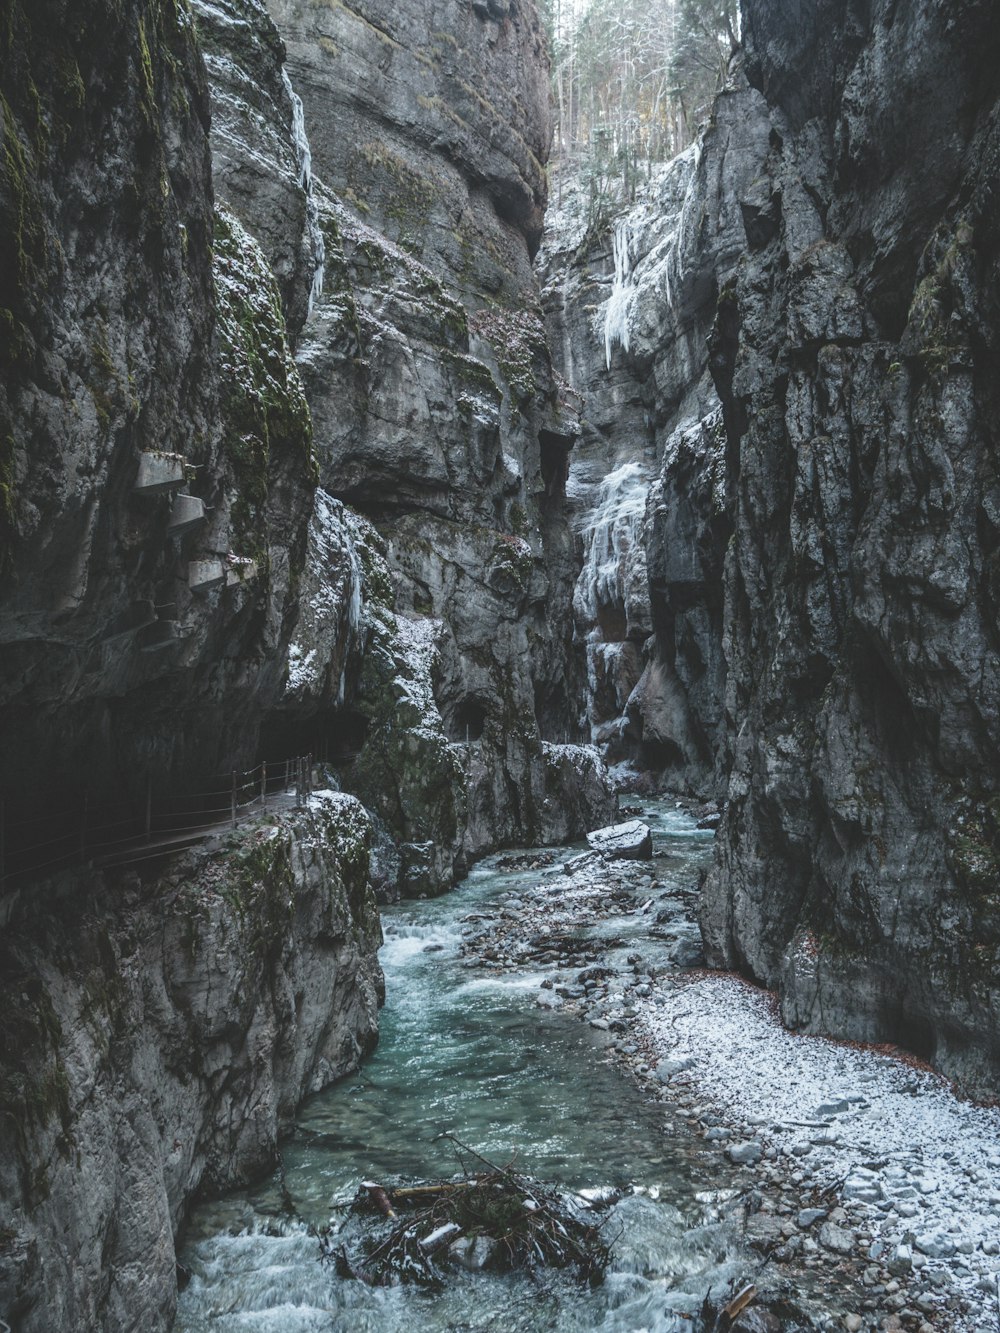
{"x":505,"y":1220}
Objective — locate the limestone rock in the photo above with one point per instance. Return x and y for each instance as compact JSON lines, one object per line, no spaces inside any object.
{"x":631,"y":841}
{"x":161,"y":1011}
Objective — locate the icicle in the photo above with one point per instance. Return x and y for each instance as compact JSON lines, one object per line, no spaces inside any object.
{"x":618,"y":316}
{"x":611,"y":534}
{"x":303,"y":155}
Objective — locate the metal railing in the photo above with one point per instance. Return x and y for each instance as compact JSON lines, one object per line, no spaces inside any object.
{"x":29,"y":848}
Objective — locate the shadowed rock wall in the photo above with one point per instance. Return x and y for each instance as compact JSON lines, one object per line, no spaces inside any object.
{"x":159,"y":1036}
{"x":855,"y":357}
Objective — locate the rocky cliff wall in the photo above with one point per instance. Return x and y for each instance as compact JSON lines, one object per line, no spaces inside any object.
{"x":438,"y":418}
{"x":185,"y":589}
{"x":143,"y":633}
{"x":855,"y":357}
{"x":159,"y":1034}
{"x":629,"y":308}
{"x":165,"y":277}
{"x":792,"y":479}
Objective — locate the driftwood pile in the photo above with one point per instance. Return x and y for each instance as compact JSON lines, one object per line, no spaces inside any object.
{"x":495,"y":1219}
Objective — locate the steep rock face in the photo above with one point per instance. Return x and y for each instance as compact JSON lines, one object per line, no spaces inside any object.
{"x":629,"y":313}
{"x":858,"y":863}
{"x":144,"y":633}
{"x":159,"y":1036}
{"x":438,"y":418}
{"x":260,"y":163}
{"x":433,"y":121}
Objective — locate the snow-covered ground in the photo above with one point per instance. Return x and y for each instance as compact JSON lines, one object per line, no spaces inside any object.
{"x":916,"y":1169}
{"x":860,"y":1160}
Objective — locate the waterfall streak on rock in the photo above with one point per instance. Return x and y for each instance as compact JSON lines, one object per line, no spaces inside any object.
{"x":304,"y":155}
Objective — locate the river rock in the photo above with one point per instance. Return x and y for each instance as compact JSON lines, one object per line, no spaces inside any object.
{"x":836,"y":1238}
{"x":900,"y":1263}
{"x":863,"y":1186}
{"x":936,"y":1245}
{"x":473,"y":1253}
{"x":748,"y":1153}
{"x":585,"y":861}
{"x":668,"y":1069}
{"x":631,"y":841}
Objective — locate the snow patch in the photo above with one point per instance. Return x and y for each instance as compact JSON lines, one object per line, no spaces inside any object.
{"x":899,"y":1145}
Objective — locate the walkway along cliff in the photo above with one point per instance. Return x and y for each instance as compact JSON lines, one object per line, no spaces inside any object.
{"x":297,"y":456}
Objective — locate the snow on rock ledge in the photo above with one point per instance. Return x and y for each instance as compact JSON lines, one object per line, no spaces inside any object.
{"x":624,"y":842}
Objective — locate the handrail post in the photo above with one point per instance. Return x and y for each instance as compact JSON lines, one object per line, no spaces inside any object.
{"x":83,"y":827}
{"x":149,"y":806}
{"x":263,"y":784}
{"x":233,"y":799}
{"x":3,"y":842}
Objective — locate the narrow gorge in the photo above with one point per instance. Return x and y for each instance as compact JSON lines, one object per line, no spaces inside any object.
{"x":381,"y":492}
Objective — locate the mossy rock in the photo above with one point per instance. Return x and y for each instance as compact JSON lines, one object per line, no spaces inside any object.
{"x":266,"y":415}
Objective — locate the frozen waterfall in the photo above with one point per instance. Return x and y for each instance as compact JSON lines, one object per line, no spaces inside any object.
{"x":618,"y":315}
{"x":303,"y":155}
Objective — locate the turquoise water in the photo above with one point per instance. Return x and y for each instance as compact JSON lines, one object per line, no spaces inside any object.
{"x":474,"y":1055}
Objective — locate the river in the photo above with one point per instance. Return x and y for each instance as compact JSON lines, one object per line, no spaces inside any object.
{"x":475,"y":1055}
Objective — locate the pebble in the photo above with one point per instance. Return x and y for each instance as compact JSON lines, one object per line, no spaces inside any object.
{"x":667,"y":1069}
{"x":936,"y":1246}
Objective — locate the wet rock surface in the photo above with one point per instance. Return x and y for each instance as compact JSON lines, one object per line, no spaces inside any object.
{"x":161,"y":1033}
{"x":631,"y":841}
{"x":856,"y":867}
{"x":794,"y":440}
{"x":839,"y":1188}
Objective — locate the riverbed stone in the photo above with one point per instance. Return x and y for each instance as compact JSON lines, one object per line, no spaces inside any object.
{"x":631,"y":841}
{"x":473,"y":1253}
{"x":936,"y":1245}
{"x":900,"y":1261}
{"x":747,"y":1153}
{"x":836,"y":1238}
{"x":668,"y":1069}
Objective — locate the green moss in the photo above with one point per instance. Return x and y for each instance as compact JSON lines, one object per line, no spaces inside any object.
{"x":473,"y":374}
{"x":260,"y":890}
{"x":378,"y":33}
{"x":931,"y":333}
{"x":520,"y":345}
{"x":147,"y":78}
{"x":407,"y":194}
{"x":266,"y":414}
{"x":378,"y":591}
{"x":8,"y":512}
{"x":22,"y":220}
{"x":513,"y":557}
{"x":104,"y":385}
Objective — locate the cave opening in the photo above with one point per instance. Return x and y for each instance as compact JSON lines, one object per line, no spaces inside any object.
{"x":468,"y":721}
{"x":659,"y":755}
{"x":554,"y":462}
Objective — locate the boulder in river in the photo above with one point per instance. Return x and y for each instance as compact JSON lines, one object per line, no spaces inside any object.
{"x":631,"y":841}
